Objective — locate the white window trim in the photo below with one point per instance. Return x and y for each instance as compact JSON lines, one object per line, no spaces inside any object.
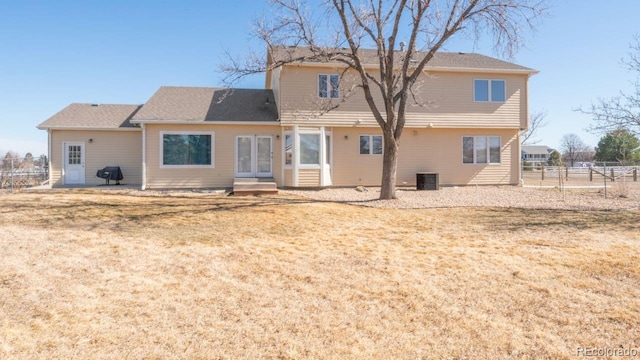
{"x":370,"y":145}
{"x":297,"y":152}
{"x":488,"y":137}
{"x":213,"y":146}
{"x":489,"y":91}
{"x":328,"y":86}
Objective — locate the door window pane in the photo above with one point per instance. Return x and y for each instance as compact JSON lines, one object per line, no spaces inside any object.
{"x":264,"y":155}
{"x":74,"y":154}
{"x":244,"y":154}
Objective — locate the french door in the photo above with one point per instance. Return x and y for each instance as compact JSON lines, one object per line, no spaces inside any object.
{"x":254,"y":156}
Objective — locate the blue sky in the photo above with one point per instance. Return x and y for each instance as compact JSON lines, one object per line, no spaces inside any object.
{"x":53,"y":53}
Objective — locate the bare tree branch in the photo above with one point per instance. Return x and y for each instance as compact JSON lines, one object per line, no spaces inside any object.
{"x":621,"y":112}
{"x":536,"y":122}
{"x":348,"y":25}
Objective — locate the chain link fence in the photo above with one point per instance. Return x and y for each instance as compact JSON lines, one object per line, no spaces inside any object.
{"x":19,"y":173}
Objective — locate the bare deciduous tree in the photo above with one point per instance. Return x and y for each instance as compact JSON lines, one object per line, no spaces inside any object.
{"x":536,"y":122}
{"x":572,"y":147}
{"x":622,"y":111}
{"x":346,"y":27}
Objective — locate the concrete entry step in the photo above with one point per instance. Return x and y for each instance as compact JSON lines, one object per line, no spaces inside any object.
{"x":254,"y":186}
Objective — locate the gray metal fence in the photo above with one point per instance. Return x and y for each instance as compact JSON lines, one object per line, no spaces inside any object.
{"x":18,"y":173}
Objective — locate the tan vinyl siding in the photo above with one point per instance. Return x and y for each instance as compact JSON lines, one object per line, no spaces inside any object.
{"x":275,"y":85}
{"x":223,"y":173}
{"x":308,"y":177}
{"x":109,"y":148}
{"x":432,"y":150}
{"x":288,"y":177}
{"x":447,"y":100}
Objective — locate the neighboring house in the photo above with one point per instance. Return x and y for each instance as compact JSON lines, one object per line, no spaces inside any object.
{"x":536,"y":155}
{"x":467,"y":130}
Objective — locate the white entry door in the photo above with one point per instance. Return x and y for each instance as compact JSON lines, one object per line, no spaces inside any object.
{"x":73,"y":163}
{"x":254,"y":156}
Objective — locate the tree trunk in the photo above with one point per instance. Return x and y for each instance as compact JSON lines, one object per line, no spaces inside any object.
{"x":389,"y":167}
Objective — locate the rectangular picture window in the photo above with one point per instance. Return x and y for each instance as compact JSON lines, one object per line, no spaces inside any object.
{"x":186,"y":149}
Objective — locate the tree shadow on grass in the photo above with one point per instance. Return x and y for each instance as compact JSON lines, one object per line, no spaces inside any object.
{"x":531,"y":219}
{"x":119,"y":209}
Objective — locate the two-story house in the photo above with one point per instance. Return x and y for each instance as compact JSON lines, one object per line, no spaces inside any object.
{"x":470,"y":109}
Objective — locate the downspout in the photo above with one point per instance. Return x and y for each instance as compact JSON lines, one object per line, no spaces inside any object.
{"x":526,"y":119}
{"x":282,"y":153}
{"x":49,"y":153}
{"x":296,"y":154}
{"x":144,"y":157}
{"x":323,"y":154}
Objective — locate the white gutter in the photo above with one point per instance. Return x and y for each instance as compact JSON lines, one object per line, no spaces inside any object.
{"x":296,"y":154}
{"x":323,"y":154}
{"x":89,"y":128}
{"x":200,"y":122}
{"x":428,"y":68}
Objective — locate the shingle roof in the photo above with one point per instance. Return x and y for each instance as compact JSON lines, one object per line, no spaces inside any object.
{"x":536,"y":149}
{"x":441,"y":60}
{"x":209,"y":104}
{"x":102,"y":116}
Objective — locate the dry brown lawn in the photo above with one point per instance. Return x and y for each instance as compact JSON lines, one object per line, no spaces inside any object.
{"x":90,"y":275}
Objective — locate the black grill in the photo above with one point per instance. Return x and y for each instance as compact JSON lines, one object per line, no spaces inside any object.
{"x":111,"y":173}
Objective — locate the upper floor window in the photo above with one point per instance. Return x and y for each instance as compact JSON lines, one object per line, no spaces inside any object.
{"x":489,"y":90}
{"x":328,"y":86}
{"x":481,"y":149}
